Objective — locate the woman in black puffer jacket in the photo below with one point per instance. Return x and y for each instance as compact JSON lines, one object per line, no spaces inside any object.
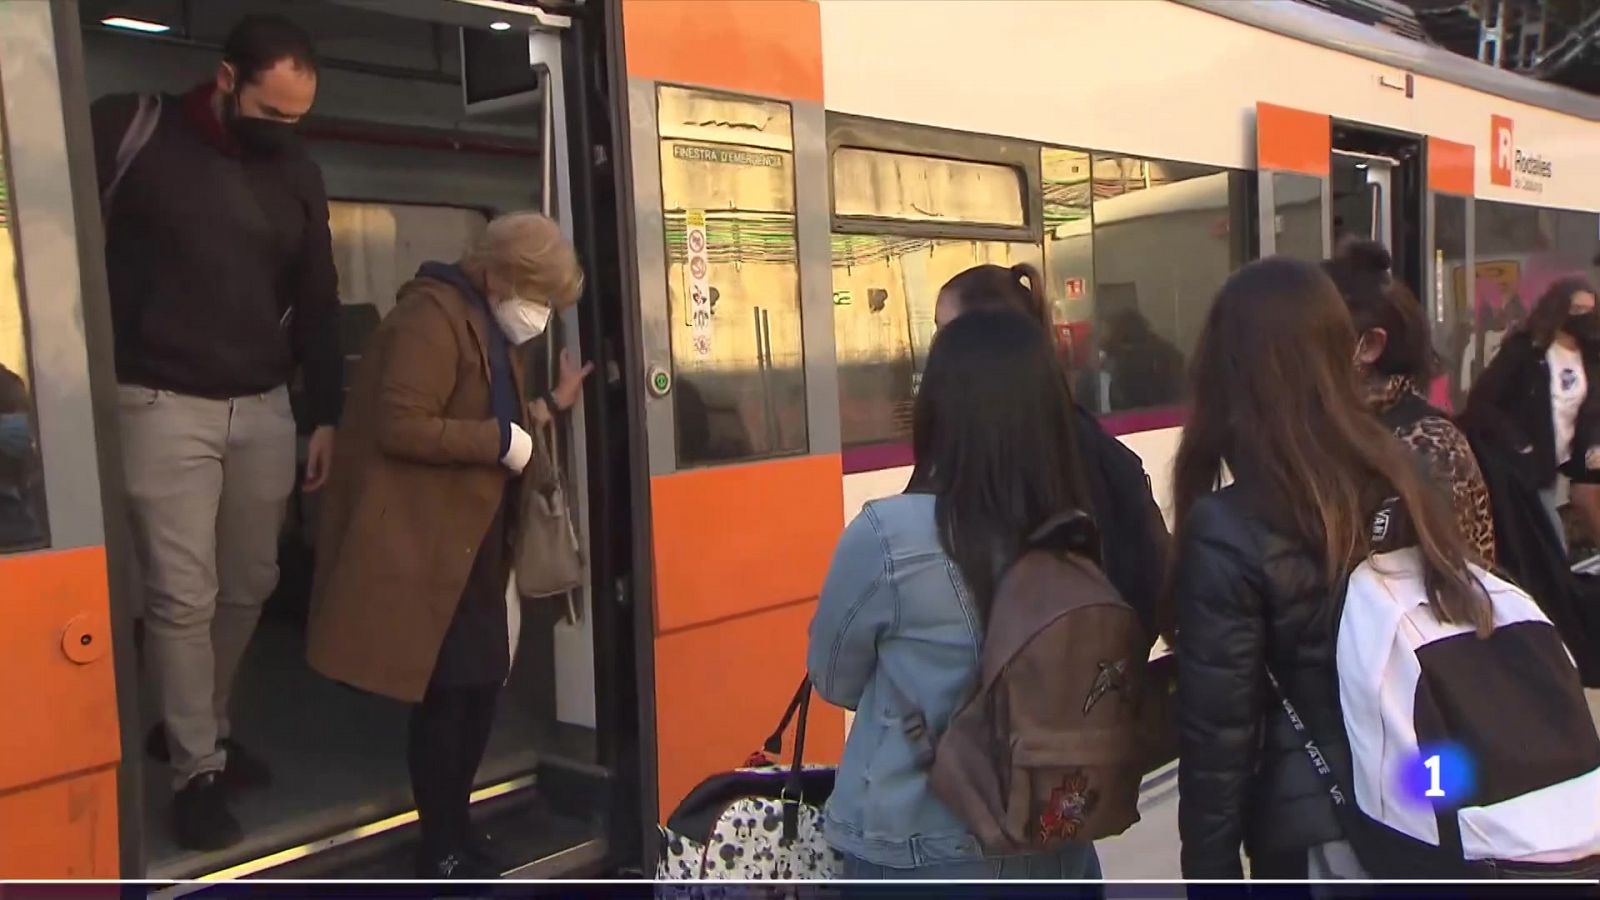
{"x":1275,"y":401}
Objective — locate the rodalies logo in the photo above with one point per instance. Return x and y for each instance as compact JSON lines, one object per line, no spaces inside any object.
{"x":1509,"y":165}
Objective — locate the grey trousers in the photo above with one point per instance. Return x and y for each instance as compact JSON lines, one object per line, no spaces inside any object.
{"x":208,"y":485}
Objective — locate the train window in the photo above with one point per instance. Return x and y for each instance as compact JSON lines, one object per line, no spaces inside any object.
{"x":22,"y":510}
{"x":733,"y":277}
{"x":378,"y":246}
{"x":901,"y":186}
{"x":1298,"y":218}
{"x":693,"y":115}
{"x":1165,"y":237}
{"x":1520,"y":251}
{"x":1069,"y":263}
{"x":884,"y":288}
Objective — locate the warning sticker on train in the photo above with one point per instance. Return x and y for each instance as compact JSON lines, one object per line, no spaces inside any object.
{"x":699,"y":312}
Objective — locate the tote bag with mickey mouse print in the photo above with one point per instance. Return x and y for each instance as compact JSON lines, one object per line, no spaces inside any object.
{"x":757,"y":823}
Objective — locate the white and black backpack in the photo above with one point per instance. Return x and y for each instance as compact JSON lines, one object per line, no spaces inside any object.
{"x":1470,"y":757}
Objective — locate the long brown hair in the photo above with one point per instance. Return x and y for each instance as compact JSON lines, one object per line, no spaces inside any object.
{"x":1274,"y":397}
{"x":1550,"y":311}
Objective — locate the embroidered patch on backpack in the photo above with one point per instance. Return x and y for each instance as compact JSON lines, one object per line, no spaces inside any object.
{"x":1069,"y":803}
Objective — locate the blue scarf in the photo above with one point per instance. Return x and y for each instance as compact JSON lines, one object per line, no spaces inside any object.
{"x":502,"y":387}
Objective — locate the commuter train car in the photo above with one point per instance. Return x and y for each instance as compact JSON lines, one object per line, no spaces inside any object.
{"x":767,"y":195}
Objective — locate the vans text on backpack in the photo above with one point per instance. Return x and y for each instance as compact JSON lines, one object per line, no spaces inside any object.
{"x":1048,"y":751}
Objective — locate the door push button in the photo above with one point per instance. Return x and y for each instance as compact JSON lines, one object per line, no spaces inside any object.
{"x":82,"y":642}
{"x":660,"y":381}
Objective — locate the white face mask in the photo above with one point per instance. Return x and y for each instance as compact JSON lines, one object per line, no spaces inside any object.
{"x":521,"y":320}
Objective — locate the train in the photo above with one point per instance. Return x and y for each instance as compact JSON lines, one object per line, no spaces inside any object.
{"x":767,"y":195}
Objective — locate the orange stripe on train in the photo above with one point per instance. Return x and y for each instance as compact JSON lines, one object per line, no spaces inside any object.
{"x":772,"y":48}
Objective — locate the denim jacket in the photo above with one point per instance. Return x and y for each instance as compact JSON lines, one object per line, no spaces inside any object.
{"x":894,"y":609}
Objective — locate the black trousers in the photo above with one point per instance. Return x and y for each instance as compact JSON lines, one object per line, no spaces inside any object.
{"x":449,"y":734}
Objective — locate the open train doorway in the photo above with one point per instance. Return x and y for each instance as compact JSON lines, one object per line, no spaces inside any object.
{"x":1377,"y":185}
{"x":431,"y":117}
{"x":1363,"y":199}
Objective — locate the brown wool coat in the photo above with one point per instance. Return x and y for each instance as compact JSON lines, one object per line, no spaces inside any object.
{"x":416,"y":481}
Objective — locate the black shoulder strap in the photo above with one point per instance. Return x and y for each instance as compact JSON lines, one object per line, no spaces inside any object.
{"x":1344,"y":803}
{"x":797,"y":713}
{"x":1330,"y":782}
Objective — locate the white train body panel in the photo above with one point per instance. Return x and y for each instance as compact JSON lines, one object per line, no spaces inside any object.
{"x":1163,"y":80}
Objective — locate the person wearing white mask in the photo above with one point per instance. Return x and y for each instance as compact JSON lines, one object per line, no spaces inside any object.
{"x":414,"y":557}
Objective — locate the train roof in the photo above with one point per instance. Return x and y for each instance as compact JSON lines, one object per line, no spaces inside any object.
{"x":1312,"y":25}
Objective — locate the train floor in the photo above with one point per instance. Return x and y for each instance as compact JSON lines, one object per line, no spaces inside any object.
{"x":338,"y":755}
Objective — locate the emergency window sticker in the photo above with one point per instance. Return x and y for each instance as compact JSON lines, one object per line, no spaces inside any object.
{"x":699,"y":293}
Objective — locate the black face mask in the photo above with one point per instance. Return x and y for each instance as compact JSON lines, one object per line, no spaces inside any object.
{"x":263,"y":137}
{"x":1584,"y":326}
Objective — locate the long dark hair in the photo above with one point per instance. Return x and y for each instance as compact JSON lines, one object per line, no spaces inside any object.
{"x":1019,"y":289}
{"x":990,"y":287}
{"x":1274,"y":397}
{"x":1361,"y":271}
{"x":1549,"y":313}
{"x":991,"y":427}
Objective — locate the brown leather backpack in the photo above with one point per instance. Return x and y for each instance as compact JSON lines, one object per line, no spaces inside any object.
{"x":1049,"y":749}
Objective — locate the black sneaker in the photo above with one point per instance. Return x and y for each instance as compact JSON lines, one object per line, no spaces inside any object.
{"x":244,"y":772}
{"x":200,"y":816}
{"x":460,"y":866}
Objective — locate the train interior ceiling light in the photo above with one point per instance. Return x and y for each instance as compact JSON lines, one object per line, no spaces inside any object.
{"x":128,"y":23}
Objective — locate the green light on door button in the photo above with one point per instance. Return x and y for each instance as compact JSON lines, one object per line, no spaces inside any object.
{"x":660,"y":381}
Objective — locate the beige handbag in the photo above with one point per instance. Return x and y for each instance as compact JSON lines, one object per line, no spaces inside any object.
{"x":549,"y":561}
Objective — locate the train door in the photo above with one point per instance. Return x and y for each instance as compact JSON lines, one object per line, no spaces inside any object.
{"x":1325,"y":182}
{"x":432,"y":117}
{"x":1294,"y":163}
{"x":735,"y":350}
{"x":59,"y":753}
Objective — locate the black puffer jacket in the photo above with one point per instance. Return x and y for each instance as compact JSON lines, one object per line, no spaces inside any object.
{"x":1133,"y":536}
{"x":1249,"y":597}
{"x":1513,"y":394}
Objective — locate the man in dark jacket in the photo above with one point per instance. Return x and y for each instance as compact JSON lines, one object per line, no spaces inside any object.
{"x":222,"y":283}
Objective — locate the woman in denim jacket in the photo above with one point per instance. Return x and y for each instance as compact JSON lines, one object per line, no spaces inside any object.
{"x":901,"y":618}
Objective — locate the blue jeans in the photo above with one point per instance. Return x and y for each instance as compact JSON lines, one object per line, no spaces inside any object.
{"x":1075,"y":862}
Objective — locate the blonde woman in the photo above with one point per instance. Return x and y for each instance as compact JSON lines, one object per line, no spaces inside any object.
{"x":414,"y":558}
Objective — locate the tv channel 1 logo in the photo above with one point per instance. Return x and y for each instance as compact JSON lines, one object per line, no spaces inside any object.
{"x":1439,"y":776}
